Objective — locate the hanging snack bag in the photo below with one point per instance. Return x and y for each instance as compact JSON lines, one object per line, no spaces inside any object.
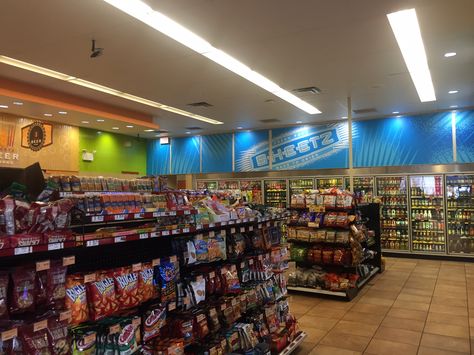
{"x":23,"y":291}
{"x":199,"y":289}
{"x":41,"y":289}
{"x":58,"y":337}
{"x":127,"y":338}
{"x":56,"y":290}
{"x":201,"y":245}
{"x":166,"y":273}
{"x":76,"y":299}
{"x":191,"y":252}
{"x":3,"y":295}
{"x":126,"y":287}
{"x":213,"y":249}
{"x":230,"y":279}
{"x":102,"y":298}
{"x":153,"y":320}
{"x":146,"y":289}
{"x":34,"y":342}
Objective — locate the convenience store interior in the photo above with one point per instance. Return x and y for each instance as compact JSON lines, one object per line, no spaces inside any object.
{"x":331,"y":141}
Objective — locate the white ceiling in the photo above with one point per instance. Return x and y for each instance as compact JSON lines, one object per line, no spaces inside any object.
{"x":344,"y":47}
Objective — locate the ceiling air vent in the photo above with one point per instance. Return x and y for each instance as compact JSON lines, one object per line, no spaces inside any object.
{"x":270,"y":120}
{"x":363,"y":111}
{"x":193,"y":128}
{"x":309,"y":89}
{"x":200,"y":104}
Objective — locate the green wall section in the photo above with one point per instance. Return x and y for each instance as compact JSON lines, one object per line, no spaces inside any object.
{"x":114,"y":152}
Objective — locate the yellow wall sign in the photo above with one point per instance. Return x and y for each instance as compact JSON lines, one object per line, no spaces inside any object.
{"x":37,"y":135}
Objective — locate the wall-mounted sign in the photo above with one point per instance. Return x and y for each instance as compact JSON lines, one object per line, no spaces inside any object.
{"x":37,"y":135}
{"x":8,"y":153}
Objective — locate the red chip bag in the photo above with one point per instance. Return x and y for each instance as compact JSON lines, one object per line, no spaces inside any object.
{"x":101,"y":297}
{"x":23,"y":292}
{"x":76,"y":299}
{"x":56,"y":287}
{"x":146,"y":289}
{"x":126,"y":286}
{"x":3,"y":295}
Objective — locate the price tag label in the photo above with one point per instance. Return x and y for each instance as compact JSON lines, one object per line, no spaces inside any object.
{"x":69,"y":260}
{"x":231,"y":222}
{"x":156,"y":214}
{"x":90,"y":277}
{"x":232,"y":230}
{"x":250,"y":228}
{"x":268,"y":224}
{"x":40,"y":325}
{"x":250,"y":261}
{"x":171,"y":306}
{"x":155,"y":262}
{"x":172,"y":213}
{"x":199,"y":278}
{"x":92,"y":243}
{"x":65,"y":316}
{"x":185,"y":230}
{"x":138,"y":216}
{"x":211,"y":225}
{"x":187,"y":212}
{"x":243,"y":298}
{"x":120,"y":239}
{"x":9,"y":334}
{"x":165,"y":233}
{"x":114,"y":329}
{"x":199,"y":226}
{"x":88,"y":339}
{"x":43,"y":265}
{"x":232,"y":267}
{"x":136,"y":267}
{"x":224,"y":223}
{"x":136,"y":322}
{"x":223,"y":306}
{"x":186,"y":300}
{"x":200,"y":317}
{"x":143,"y":235}
{"x":234,"y":302}
{"x":242,"y":229}
{"x":97,"y":219}
{"x":246,"y":220}
{"x":23,"y":250}
{"x":173,"y":259}
{"x":55,"y":246}
{"x":174,"y":231}
{"x":239,"y":221}
{"x":154,"y":234}
{"x":259,"y":226}
{"x":260,"y":257}
{"x":212,"y":233}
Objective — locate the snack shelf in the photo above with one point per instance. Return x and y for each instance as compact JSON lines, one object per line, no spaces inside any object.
{"x":137,"y":216}
{"x":294,"y":344}
{"x":36,"y":248}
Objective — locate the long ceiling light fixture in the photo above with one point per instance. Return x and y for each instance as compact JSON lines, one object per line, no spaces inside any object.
{"x":162,"y":23}
{"x":407,"y":32}
{"x":90,"y":85}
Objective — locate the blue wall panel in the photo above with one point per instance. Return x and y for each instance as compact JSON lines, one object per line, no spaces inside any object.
{"x":311,"y":147}
{"x":407,"y":140}
{"x":217,"y":153}
{"x":158,"y":158}
{"x":251,"y":151}
{"x":185,"y":155}
{"x":465,"y":136}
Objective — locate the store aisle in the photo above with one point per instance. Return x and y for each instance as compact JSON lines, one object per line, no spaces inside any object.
{"x":414,"y":307}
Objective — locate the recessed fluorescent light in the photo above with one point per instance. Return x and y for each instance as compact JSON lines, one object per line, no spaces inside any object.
{"x":298,"y":122}
{"x":115,"y":128}
{"x":85,"y":122}
{"x":100,"y":120}
{"x":240,"y":127}
{"x":18,"y":103}
{"x":449,"y":54}
{"x":48,"y":114}
{"x":399,"y":116}
{"x":99,"y":132}
{"x":344,"y":117}
{"x":395,"y":112}
{"x":453,"y":91}
{"x":129,"y":126}
{"x":62,"y":112}
{"x":149,"y":130}
{"x":188,"y":132}
{"x":3,"y":106}
{"x":453,"y":106}
{"x":90,"y":85}
{"x":172,"y":29}
{"x":407,"y":32}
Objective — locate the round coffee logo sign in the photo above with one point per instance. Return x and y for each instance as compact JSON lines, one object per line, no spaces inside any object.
{"x":36,"y":136}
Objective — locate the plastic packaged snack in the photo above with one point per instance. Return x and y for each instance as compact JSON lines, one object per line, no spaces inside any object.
{"x":4,"y":295}
{"x":23,"y":293}
{"x":199,"y":289}
{"x":146,"y":288}
{"x":102,"y":298}
{"x":59,"y":337}
{"x":153,"y":320}
{"x":126,"y":287}
{"x":166,"y":273}
{"x":76,"y":299}
{"x":56,"y":287}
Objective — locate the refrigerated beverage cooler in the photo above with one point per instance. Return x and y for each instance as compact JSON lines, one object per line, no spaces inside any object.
{"x":207,"y":185}
{"x":327,"y":183}
{"x":392,"y":192}
{"x":228,"y":184}
{"x":252,"y":191}
{"x":363,"y":188}
{"x":427,"y":213}
{"x":275,"y":193}
{"x":460,"y":213}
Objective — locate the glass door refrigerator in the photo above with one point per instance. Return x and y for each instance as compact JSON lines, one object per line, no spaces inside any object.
{"x":275,"y":193}
{"x":363,"y":188}
{"x":252,"y":191}
{"x":327,"y":183}
{"x":298,"y":186}
{"x":207,"y":185}
{"x":460,"y":213}
{"x":427,"y":213}
{"x":392,"y":192}
{"x":228,"y":184}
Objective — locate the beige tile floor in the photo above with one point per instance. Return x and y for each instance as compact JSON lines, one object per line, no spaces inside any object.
{"x":414,"y":307}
